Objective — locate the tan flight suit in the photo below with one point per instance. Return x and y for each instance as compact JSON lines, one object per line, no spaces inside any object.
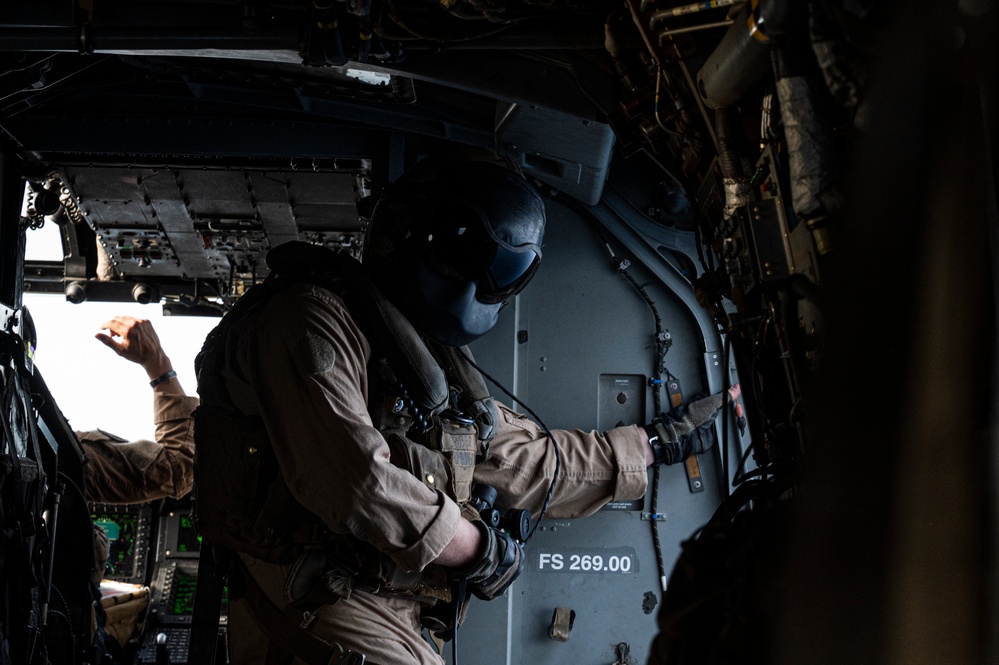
{"x":299,"y":361}
{"x":120,"y":471}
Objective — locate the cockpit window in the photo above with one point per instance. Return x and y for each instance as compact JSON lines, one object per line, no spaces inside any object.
{"x":95,"y":389}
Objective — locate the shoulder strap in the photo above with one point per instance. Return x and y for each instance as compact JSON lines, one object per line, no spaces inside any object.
{"x":473,"y":397}
{"x":207,"y":610}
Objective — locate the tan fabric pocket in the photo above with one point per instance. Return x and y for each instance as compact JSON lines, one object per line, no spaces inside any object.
{"x":459,"y":443}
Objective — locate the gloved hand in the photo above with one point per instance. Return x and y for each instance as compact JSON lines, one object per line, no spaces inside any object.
{"x":500,"y":562}
{"x":686,"y":430}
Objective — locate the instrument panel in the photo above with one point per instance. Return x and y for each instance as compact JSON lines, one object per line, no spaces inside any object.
{"x":129,"y":530}
{"x":156,"y":545}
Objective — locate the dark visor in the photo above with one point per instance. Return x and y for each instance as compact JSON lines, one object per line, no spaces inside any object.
{"x":508,"y":274}
{"x":463,"y":249}
{"x":509,"y":266}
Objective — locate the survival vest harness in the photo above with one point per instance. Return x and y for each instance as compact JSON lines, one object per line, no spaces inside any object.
{"x":419,"y":394}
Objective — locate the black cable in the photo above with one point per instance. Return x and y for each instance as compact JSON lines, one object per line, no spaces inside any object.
{"x":454,"y":633}
{"x":69,"y":631}
{"x":755,"y":377}
{"x":62,"y":599}
{"x":657,"y":406}
{"x":656,"y":539}
{"x":759,"y":472}
{"x":740,"y":473}
{"x":726,"y":351}
{"x":548,"y":434}
{"x":657,"y":370}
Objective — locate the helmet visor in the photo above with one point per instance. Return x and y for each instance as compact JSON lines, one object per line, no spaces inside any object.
{"x":509,"y":272}
{"x":462,"y":248}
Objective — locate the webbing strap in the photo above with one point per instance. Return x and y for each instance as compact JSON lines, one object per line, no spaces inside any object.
{"x":207,"y":610}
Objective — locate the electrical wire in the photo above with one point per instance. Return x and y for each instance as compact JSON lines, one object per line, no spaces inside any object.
{"x":655,"y":106}
{"x":548,"y":434}
{"x":657,"y":382}
{"x":740,"y":474}
{"x":726,"y":351}
{"x":657,"y":408}
{"x":621,"y":266}
{"x":459,"y":600}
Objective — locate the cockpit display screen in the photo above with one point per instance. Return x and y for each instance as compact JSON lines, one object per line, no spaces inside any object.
{"x":121,"y":530}
{"x":184,"y":585}
{"x":188,"y":539}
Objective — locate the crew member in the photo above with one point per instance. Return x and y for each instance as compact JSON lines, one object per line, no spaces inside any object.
{"x":342,"y":428}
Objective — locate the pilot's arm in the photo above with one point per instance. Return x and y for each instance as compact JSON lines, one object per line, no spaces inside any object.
{"x":120,"y":471}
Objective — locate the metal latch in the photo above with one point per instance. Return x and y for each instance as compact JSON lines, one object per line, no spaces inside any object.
{"x":623,"y":653}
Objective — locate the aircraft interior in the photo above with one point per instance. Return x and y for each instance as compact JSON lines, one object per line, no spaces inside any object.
{"x":795,"y":197}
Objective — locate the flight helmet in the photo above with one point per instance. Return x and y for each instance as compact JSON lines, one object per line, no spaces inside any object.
{"x":451,"y":241}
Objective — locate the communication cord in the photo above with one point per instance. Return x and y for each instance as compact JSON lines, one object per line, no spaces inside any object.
{"x":548,"y":435}
{"x":544,"y":507}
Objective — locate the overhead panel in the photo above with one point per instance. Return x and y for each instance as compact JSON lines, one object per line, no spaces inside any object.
{"x":211,"y":223}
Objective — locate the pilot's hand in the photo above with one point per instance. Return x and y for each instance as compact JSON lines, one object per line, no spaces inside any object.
{"x":500,"y":562}
{"x":686,"y":430}
{"x":136,"y":340}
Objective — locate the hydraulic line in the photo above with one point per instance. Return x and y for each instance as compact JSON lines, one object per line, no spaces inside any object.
{"x":688,"y":9}
{"x":812,"y":159}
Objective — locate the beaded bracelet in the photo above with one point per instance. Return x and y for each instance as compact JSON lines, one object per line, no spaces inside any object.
{"x":161,"y":378}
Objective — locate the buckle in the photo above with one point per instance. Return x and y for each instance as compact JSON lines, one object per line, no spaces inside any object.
{"x":346,"y":656}
{"x":456,"y":416}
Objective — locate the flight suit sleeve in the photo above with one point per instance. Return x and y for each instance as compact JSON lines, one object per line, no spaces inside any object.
{"x":595,"y":467}
{"x":120,"y":471}
{"x":304,"y":362}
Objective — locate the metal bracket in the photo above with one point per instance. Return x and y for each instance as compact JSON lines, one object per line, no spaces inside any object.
{"x":694,"y":474}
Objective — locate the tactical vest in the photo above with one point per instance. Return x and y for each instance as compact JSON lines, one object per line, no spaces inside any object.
{"x":419,"y":394}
